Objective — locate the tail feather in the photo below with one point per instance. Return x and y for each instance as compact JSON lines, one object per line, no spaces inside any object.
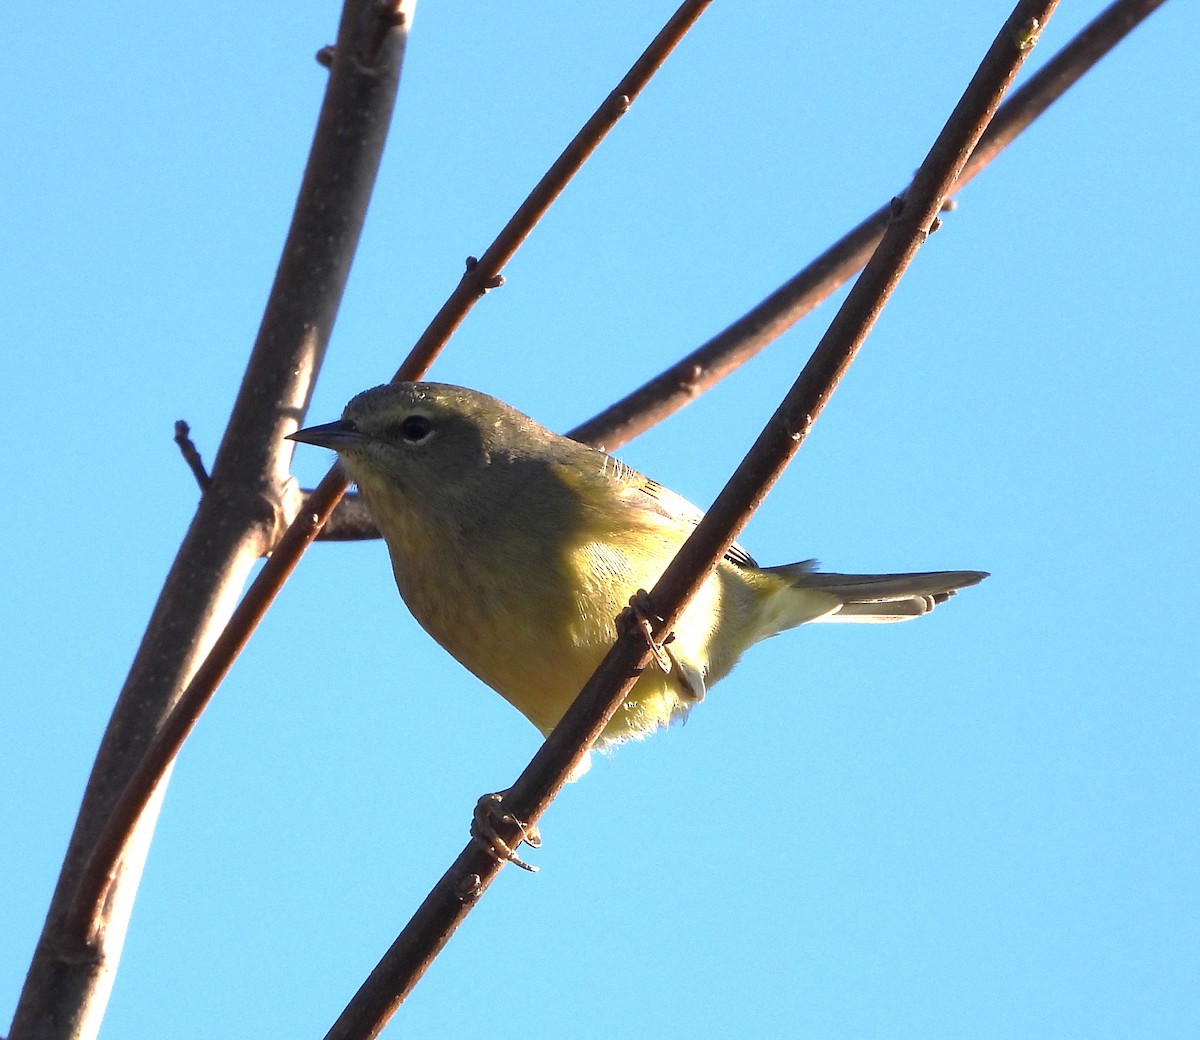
{"x":875,"y":598}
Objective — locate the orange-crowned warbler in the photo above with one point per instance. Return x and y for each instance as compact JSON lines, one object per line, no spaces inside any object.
{"x":516,"y":549}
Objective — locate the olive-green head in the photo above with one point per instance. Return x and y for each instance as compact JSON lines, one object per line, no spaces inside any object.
{"x":431,"y":443}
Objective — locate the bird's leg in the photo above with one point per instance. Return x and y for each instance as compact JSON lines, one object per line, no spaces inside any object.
{"x":641,"y":614}
{"x":484,"y":834}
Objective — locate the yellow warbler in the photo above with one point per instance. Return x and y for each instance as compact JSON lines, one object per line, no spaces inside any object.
{"x":516,"y":549}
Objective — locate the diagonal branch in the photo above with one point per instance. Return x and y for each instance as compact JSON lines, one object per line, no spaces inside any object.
{"x":238,"y":519}
{"x":914,"y":216}
{"x":484,"y":273}
{"x":699,"y":371}
{"x":480,"y":275}
{"x":704,"y":367}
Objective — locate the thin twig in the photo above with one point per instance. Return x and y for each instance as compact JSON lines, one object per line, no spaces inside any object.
{"x":183,"y":439}
{"x":463,"y":884}
{"x":478,"y":278}
{"x":702,"y":369}
{"x":482,"y":273}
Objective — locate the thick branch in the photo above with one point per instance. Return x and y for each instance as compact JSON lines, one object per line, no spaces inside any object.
{"x":462,"y":885}
{"x":238,"y":520}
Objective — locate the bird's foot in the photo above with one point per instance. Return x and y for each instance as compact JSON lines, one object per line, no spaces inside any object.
{"x":640,"y":614}
{"x":483,"y":833}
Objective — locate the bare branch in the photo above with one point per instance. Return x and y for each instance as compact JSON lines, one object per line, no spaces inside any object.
{"x":238,"y":520}
{"x":183,"y":439}
{"x":462,"y":885}
{"x":706,"y":366}
{"x":480,"y":276}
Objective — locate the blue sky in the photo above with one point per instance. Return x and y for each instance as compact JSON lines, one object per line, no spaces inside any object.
{"x":981,"y":824}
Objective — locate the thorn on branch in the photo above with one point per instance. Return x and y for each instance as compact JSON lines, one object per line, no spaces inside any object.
{"x":190,"y":455}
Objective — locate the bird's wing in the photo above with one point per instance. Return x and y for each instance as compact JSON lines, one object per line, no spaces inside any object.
{"x":642,"y":494}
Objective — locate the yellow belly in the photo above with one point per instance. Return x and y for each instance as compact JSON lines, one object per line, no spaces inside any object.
{"x":536,"y":638}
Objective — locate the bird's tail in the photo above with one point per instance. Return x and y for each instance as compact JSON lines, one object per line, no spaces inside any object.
{"x":877,"y":597}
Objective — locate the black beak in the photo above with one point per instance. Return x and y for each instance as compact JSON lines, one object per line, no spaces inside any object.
{"x":335,"y":435}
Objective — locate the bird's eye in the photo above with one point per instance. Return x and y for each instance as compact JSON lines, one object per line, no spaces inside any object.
{"x":412,"y":428}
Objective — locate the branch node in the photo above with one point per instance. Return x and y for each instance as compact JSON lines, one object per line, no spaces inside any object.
{"x":798,"y":431}
{"x":689,"y":379}
{"x":388,"y":16}
{"x":324,"y":57}
{"x":307,"y":522}
{"x":494,"y":282}
{"x":620,"y":103}
{"x":190,"y":455}
{"x":1028,"y":34}
{"x":469,"y":888}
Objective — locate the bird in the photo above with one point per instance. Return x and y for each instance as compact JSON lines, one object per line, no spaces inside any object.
{"x":517,"y":549}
